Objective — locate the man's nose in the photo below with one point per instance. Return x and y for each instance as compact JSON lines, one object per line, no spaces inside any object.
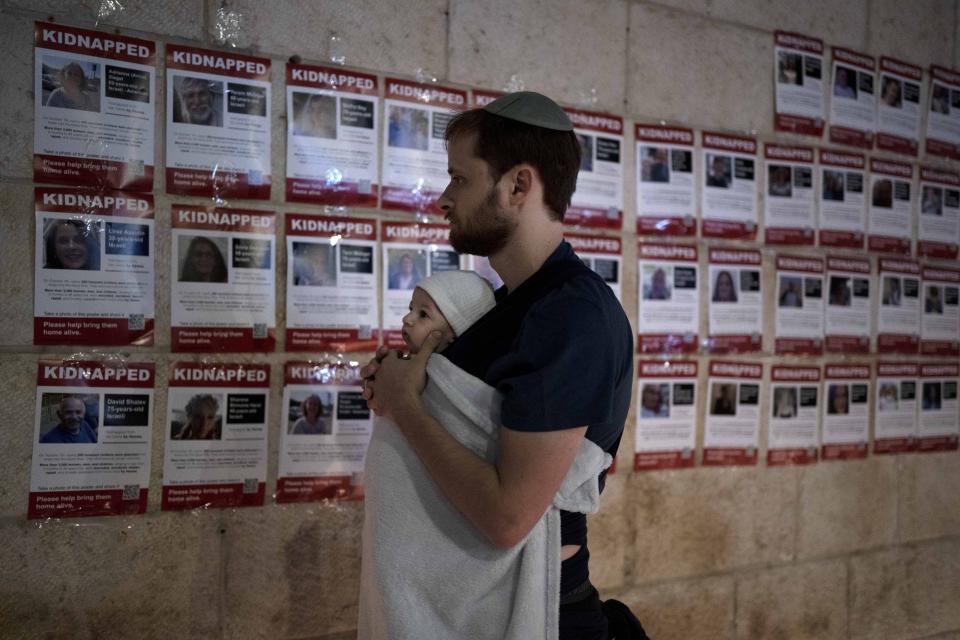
{"x":443,"y":202}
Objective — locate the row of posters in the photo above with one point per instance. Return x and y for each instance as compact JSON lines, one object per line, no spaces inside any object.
{"x":92,"y":436}
{"x":811,"y":413}
{"x":95,"y":114}
{"x":872,"y":104}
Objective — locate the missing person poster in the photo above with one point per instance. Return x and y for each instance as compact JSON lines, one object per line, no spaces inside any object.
{"x":940,"y":318}
{"x":843,"y":212}
{"x":938,"y":428}
{"x":332,"y":136}
{"x":414,"y":151}
{"x":853,"y":100}
{"x":890,"y":228}
{"x":849,"y":309}
{"x":730,"y":189}
{"x":799,"y":323}
{"x":325,"y":428}
{"x":898,"y":110}
{"x":603,"y":255}
{"x":215,"y":452}
{"x":895,"y":414}
{"x":735,"y":300}
{"x":898,"y":318}
{"x":938,"y":228}
{"x":798,"y":78}
{"x":94,"y":108}
{"x":733,"y":414}
{"x":480,"y":98}
{"x":943,"y":118}
{"x":91,"y":438}
{"x":669,"y":318}
{"x":94,"y":275}
{"x":666,"y":436}
{"x":218,"y":124}
{"x":411,"y":252}
{"x":598,"y":200}
{"x":222,"y":280}
{"x":331,"y":284}
{"x":789,"y":215}
{"x":846,"y":415}
{"x":666,"y":181}
{"x":793,"y":430}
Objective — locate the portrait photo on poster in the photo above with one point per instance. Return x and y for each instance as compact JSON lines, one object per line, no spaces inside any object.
{"x":196,"y":416}
{"x":310,"y":413}
{"x":69,"y":83}
{"x":69,"y":418}
{"x":71,"y":244}
{"x":197,"y":101}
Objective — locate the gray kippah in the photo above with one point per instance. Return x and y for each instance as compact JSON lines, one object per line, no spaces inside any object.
{"x":531,"y":108}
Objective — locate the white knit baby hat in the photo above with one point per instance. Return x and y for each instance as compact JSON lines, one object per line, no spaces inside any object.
{"x":463,"y":297}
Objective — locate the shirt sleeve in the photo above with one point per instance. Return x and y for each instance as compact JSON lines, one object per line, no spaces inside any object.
{"x":561,"y":374}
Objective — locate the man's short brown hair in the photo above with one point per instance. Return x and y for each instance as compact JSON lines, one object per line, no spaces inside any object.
{"x":504,"y":143}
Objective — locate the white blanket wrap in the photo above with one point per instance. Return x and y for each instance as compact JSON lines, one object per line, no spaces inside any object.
{"x":427,"y":572}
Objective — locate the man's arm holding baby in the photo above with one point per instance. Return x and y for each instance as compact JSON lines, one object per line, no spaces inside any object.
{"x":503,"y":500}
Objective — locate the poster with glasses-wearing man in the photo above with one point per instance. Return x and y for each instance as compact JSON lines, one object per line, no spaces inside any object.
{"x":215,"y":451}
{"x":333,"y":132}
{"x":846,"y":411}
{"x":222,"y":269}
{"x":218,"y":124}
{"x":938,"y":226}
{"x":666,"y":429}
{"x":94,"y":275}
{"x":798,"y":78}
{"x":898,"y":107}
{"x":843,"y":214}
{"x":940,"y":312}
{"x":799,"y":305}
{"x":735,"y":300}
{"x":729,"y":190}
{"x":94,"y":108}
{"x":793,"y":433}
{"x":598,"y":200}
{"x":895,"y":407}
{"x":847,"y":317}
{"x":853,"y":100}
{"x":91,"y":438}
{"x":890,"y":224}
{"x":789,"y":217}
{"x":733,"y":414}
{"x":938,"y":428}
{"x":669,"y":317}
{"x":666,"y":181}
{"x":325,"y":427}
{"x":603,"y":255}
{"x":943,"y":116}
{"x":898,"y":318}
{"x":331,"y":283}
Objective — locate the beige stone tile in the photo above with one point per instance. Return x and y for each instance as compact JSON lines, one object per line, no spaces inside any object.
{"x":156,"y":576}
{"x":166,"y":17}
{"x":291,"y":570}
{"x":683,"y":610}
{"x":847,"y":506}
{"x":689,"y":69}
{"x":17,"y":224}
{"x":561,"y":48}
{"x":702,"y":520}
{"x":929,"y":499}
{"x":919,"y":32}
{"x":16,"y":99}
{"x":392,"y":35}
{"x":18,"y":377}
{"x":907,"y":592}
{"x":609,"y":534}
{"x":832,"y":21}
{"x":798,"y":601}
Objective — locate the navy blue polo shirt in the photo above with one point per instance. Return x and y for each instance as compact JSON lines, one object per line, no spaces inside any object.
{"x":560,"y":350}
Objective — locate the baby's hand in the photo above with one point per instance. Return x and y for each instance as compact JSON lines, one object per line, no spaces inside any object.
{"x":370,"y":370}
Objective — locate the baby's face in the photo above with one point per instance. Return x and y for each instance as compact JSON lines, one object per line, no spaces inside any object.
{"x":424,"y":317}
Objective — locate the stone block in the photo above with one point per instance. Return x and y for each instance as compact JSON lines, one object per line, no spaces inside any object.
{"x":797,"y":601}
{"x":395,"y":36}
{"x":16,"y":99}
{"x":156,"y":576}
{"x":703,"y":520}
{"x":833,"y":22}
{"x":562,"y":49}
{"x":609,"y":535}
{"x":906,"y":592}
{"x":16,"y":263}
{"x":163,"y":17}
{"x":682,"y":610}
{"x":929,"y":499}
{"x":847,"y":506}
{"x":291,"y":570}
{"x":692,"y":70}
{"x":920,"y":32}
{"x":18,"y":376}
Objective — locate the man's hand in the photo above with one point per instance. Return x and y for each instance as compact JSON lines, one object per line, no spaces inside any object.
{"x":370,"y":370}
{"x":395,"y":382}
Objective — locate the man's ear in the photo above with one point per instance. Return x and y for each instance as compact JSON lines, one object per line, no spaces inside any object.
{"x":521,"y":184}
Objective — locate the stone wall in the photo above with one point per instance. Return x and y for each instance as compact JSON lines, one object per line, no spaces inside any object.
{"x":865,"y":549}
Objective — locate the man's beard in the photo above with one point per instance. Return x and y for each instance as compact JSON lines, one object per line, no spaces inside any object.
{"x":486,"y":232}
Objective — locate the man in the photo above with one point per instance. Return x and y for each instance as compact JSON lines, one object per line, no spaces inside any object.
{"x":73,"y":427}
{"x":557,"y":345}
{"x":198,"y":101}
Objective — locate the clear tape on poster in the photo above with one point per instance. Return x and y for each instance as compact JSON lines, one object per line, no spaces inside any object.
{"x":107,"y":10}
{"x":336,"y":49}
{"x":515,"y":83}
{"x":229,"y":27}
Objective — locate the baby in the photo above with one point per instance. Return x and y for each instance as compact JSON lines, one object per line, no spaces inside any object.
{"x":448,"y":302}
